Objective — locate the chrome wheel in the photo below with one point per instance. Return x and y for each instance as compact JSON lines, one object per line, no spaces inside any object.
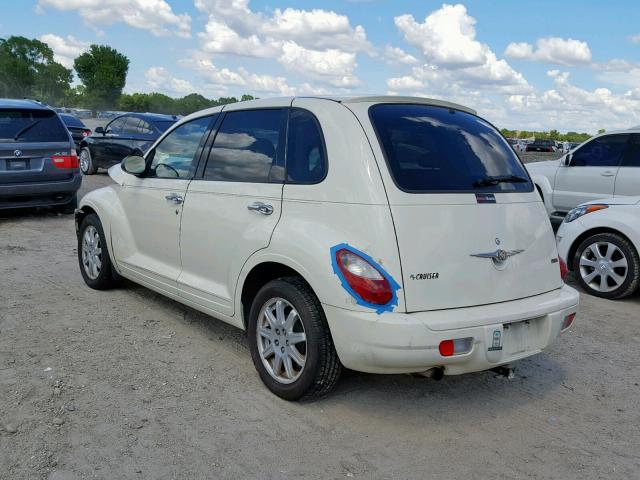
{"x":91,"y":252}
{"x":84,"y":160}
{"x":282,"y":342}
{"x":603,"y":266}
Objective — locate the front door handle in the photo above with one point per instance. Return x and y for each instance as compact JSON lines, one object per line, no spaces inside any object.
{"x":607,"y":174}
{"x":174,"y":198}
{"x":263,"y":208}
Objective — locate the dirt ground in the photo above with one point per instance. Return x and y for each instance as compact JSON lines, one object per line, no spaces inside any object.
{"x":126,"y":384}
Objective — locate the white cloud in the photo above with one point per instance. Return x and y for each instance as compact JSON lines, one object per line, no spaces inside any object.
{"x":446,"y":37}
{"x":404,"y":83}
{"x":568,"y":107}
{"x":65,"y":50}
{"x":319,"y":44}
{"x":619,"y":72}
{"x":635,"y":38}
{"x":552,"y":50}
{"x":154,"y":15}
{"x":159,"y":79}
{"x":218,"y":79}
{"x":397,"y":55}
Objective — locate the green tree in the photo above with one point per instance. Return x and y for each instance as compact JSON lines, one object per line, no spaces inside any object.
{"x":27,"y":69}
{"x":192,"y":103}
{"x":103,"y":72}
{"x":602,"y":130}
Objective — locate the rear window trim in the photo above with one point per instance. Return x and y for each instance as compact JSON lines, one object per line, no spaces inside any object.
{"x":424,"y":192}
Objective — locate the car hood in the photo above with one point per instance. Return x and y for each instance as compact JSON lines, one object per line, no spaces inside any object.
{"x":615,"y":201}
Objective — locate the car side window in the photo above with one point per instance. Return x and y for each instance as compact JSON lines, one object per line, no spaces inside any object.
{"x":174,"y":156}
{"x":249,"y":147}
{"x":116,"y":126}
{"x":306,"y":154}
{"x":145,"y":128}
{"x":131,"y":125}
{"x":606,"y":151}
{"x":632,"y":158}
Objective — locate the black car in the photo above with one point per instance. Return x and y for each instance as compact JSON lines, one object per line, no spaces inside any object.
{"x":542,"y":146}
{"x":124,"y":135}
{"x":77,"y":129}
{"x":38,"y":161}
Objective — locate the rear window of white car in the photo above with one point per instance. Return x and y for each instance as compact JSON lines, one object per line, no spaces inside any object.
{"x":27,"y":125}
{"x":432,"y":149}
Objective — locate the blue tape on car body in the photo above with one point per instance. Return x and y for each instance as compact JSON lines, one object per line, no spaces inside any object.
{"x":387,"y":307}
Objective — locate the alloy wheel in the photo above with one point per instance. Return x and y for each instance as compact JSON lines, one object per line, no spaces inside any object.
{"x":91,"y":252}
{"x":282,"y":341}
{"x":603,"y":266}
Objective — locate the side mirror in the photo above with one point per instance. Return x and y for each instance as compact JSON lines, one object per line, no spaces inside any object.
{"x":99,"y":130}
{"x":134,"y":164}
{"x":567,"y":160}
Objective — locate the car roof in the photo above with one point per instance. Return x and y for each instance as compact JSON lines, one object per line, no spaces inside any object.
{"x":278,"y":101}
{"x":23,"y":103}
{"x":153,"y":117}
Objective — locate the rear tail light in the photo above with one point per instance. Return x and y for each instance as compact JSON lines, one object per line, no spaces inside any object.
{"x":365,"y":279}
{"x":564,"y":270}
{"x":568,"y":321}
{"x":457,"y":346}
{"x":65,"y":161}
{"x":86,"y":133}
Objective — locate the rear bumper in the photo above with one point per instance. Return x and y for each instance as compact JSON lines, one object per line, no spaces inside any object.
{"x":406,"y":343}
{"x":39,"y":194}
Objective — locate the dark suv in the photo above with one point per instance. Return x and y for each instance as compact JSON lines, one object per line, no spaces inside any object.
{"x":132,"y":133}
{"x":38,"y":161}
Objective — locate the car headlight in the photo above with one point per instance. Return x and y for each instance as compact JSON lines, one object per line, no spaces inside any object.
{"x":583,"y":210}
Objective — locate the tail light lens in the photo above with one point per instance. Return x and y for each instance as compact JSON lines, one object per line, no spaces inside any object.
{"x":564,"y":270}
{"x":568,"y":321}
{"x":65,"y":161}
{"x":86,"y":133}
{"x":365,"y":280}
{"x":457,"y":346}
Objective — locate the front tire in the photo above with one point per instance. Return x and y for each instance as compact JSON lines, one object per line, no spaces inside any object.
{"x":607,"y":266}
{"x":87,"y":166}
{"x":290,"y":341}
{"x":93,"y":255}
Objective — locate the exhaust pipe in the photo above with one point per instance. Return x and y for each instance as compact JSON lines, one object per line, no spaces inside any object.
{"x":435,"y":373}
{"x":506,"y":371}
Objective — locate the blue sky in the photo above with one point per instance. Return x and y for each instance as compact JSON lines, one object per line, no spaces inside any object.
{"x":570,"y":65}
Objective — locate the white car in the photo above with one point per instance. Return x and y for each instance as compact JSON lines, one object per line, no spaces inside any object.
{"x":600,"y":242}
{"x":382,"y":234}
{"x":607,"y":165}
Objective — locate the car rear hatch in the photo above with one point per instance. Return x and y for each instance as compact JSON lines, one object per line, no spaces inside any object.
{"x":29,"y":139}
{"x":471,"y":230}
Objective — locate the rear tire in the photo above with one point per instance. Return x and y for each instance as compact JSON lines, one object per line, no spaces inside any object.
{"x":313,"y":369}
{"x":87,"y":166}
{"x":93,"y":255}
{"x":615,"y":277}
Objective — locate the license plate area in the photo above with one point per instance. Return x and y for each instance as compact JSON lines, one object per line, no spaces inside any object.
{"x":520,"y":337}
{"x":17,"y":165}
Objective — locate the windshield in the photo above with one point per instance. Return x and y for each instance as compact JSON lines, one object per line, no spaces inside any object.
{"x":71,"y":121}
{"x":31,"y":126}
{"x":163,"y":125}
{"x":436,"y":149}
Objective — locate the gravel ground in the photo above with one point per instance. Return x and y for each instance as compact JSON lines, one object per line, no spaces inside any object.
{"x":127,"y":384}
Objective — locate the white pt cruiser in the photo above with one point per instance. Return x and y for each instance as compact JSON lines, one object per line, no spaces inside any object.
{"x":382,"y":234}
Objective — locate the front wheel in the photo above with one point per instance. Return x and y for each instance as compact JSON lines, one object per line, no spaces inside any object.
{"x":93,"y":255}
{"x":290,"y":341}
{"x":607,"y":266}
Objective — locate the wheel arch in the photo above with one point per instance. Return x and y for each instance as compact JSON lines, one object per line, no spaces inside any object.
{"x":544,"y":188}
{"x":258,"y":274}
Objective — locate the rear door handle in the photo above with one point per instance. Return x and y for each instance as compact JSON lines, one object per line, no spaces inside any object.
{"x":174,"y":198}
{"x":608,"y":173}
{"x":263,"y":208}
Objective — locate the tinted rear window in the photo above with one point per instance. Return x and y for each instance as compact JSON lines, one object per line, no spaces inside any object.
{"x":163,"y":125}
{"x":31,"y":126}
{"x":71,"y":121}
{"x":435,"y":149}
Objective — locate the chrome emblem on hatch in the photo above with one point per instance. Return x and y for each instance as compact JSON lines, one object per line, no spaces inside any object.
{"x":499,"y":256}
{"x":17,"y":153}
